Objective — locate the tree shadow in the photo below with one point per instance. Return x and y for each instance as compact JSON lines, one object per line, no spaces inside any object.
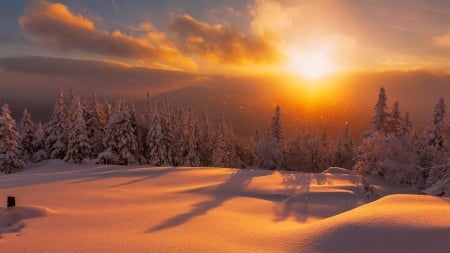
{"x":149,"y":175}
{"x":57,"y":170}
{"x":234,"y":187}
{"x":303,"y":203}
{"x":296,"y":186}
{"x":142,"y":174}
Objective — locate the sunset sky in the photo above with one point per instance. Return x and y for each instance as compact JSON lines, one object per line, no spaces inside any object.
{"x":231,"y":36}
{"x":118,"y":47}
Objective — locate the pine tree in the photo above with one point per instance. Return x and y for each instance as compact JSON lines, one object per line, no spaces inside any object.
{"x":10,"y":160}
{"x":396,"y":122}
{"x":406,"y":127}
{"x":434,"y":145}
{"x":120,"y":140}
{"x":191,"y":156}
{"x":268,"y":149}
{"x":220,"y":157}
{"x":39,"y":152}
{"x":206,"y":139}
{"x":387,"y":151}
{"x":275,"y":129}
{"x":56,"y":131}
{"x":381,"y":119}
{"x":95,"y":126}
{"x":26,"y":136}
{"x":348,"y":148}
{"x":78,"y":147}
{"x":157,"y":153}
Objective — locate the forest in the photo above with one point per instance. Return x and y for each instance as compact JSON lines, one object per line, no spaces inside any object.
{"x":165,"y":135}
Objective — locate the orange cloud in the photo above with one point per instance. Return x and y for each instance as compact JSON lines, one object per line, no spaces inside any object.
{"x":223,"y":44}
{"x":53,"y":24}
{"x":442,"y":41}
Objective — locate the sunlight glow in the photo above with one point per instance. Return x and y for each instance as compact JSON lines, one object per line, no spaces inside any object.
{"x":312,"y":64}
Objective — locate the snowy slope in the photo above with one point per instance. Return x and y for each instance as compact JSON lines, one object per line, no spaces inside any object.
{"x":100,"y":208}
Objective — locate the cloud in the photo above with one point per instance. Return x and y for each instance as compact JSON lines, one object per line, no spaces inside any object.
{"x":442,"y":40}
{"x":42,"y":75}
{"x":54,"y":25}
{"x":223,"y":44}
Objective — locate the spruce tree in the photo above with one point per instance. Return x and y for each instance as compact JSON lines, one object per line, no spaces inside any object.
{"x":220,"y":157}
{"x":78,"y":147}
{"x":206,"y":139}
{"x":39,"y":152}
{"x":10,"y":160}
{"x":26,"y":136}
{"x":381,"y":119}
{"x":268,"y":149}
{"x":56,"y":130}
{"x":396,"y":121}
{"x":120,"y":139}
{"x":275,"y":129}
{"x":435,"y":146}
{"x":95,"y":126}
{"x":191,"y":156}
{"x":157,"y":153}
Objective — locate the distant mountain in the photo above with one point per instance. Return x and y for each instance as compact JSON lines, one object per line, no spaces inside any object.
{"x":325,"y":105}
{"x":248,"y":102}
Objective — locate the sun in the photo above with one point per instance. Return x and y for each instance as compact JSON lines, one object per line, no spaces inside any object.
{"x":313,"y":64}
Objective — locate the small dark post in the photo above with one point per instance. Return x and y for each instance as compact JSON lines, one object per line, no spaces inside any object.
{"x":11,"y":201}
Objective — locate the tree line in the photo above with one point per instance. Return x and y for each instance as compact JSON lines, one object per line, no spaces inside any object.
{"x":166,"y":135}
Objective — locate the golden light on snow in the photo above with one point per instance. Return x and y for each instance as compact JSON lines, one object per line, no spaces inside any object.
{"x":312,"y":64}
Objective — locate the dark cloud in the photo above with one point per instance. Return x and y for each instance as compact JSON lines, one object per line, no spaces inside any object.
{"x":54,"y":25}
{"x":35,"y":77}
{"x":223,"y":44}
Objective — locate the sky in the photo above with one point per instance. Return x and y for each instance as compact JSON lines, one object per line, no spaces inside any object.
{"x":127,"y":47}
{"x":232,"y":36}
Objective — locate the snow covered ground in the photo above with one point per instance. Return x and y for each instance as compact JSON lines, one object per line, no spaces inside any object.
{"x":101,"y":208}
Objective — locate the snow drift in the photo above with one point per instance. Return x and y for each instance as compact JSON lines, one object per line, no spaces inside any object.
{"x":102,"y":208}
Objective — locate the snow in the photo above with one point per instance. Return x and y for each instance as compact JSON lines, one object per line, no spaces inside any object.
{"x":107,"y":208}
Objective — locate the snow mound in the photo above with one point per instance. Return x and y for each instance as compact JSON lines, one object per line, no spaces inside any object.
{"x":337,"y":170}
{"x":396,"y":223}
{"x":10,"y":218}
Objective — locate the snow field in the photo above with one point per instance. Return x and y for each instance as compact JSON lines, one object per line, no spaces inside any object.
{"x":102,"y":208}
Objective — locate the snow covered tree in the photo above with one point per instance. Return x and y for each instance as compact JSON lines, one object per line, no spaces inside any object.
{"x":344,"y":150}
{"x":139,"y":124}
{"x":434,"y":148}
{"x":26,"y":136}
{"x":325,"y":155}
{"x":107,"y":110}
{"x":268,"y":153}
{"x":10,"y":160}
{"x":291,"y":157}
{"x":268,"y":149}
{"x":39,"y":152}
{"x":381,"y":119}
{"x":190,"y":148}
{"x":224,"y":153}
{"x":95,"y":126}
{"x":220,"y":156}
{"x":406,"y":127}
{"x":56,"y":131}
{"x":78,"y":148}
{"x":120,"y":140}
{"x":387,"y":150}
{"x":206,"y":139}
{"x":390,"y":157}
{"x":396,"y":122}
{"x":158,"y":152}
{"x":276,"y":129}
